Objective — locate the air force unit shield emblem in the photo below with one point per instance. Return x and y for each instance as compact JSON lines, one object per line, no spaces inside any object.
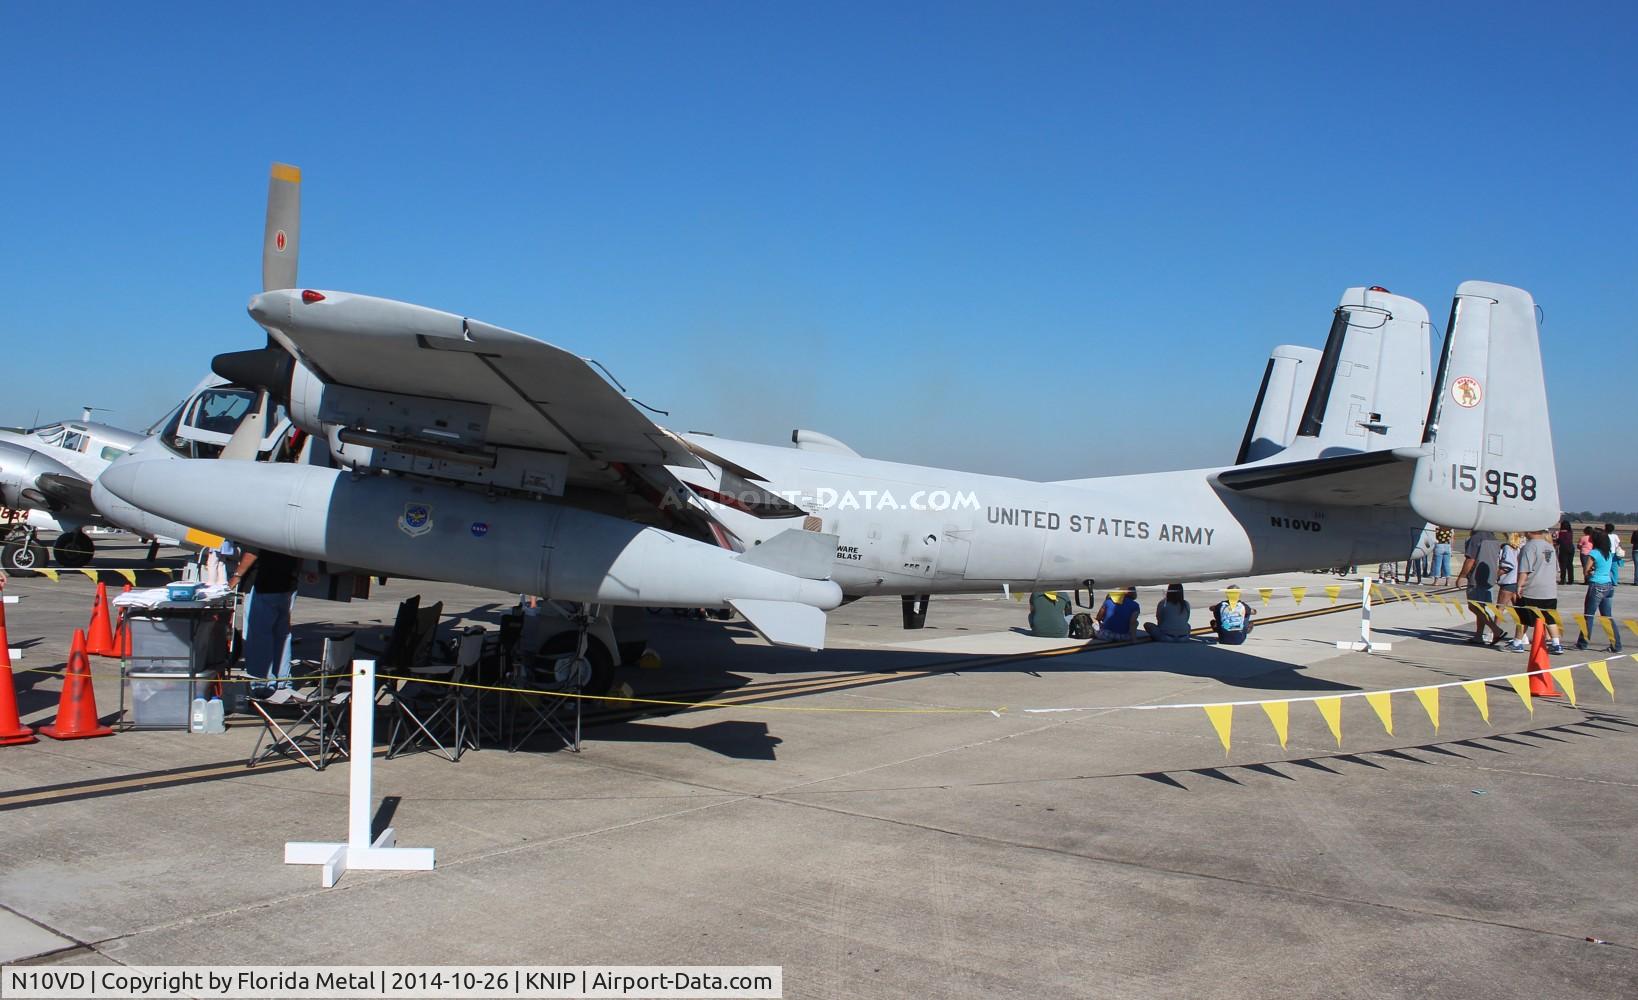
{"x":416,"y":519}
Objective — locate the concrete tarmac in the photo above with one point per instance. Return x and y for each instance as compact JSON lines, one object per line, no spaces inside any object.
{"x":1111,"y":852}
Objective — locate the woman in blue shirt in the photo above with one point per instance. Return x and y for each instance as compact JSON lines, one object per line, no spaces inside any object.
{"x":1600,"y":567}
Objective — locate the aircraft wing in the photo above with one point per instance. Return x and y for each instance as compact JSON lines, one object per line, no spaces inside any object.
{"x":528,"y":393}
{"x":1367,"y":479}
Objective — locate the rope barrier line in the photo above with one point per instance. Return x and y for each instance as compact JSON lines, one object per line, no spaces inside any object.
{"x":784,"y":690}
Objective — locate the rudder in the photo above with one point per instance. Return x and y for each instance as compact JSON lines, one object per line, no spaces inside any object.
{"x":1491,"y":465}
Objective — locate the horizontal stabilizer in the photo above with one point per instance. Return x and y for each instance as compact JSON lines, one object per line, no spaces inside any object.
{"x":1366,"y":479}
{"x":785,"y":623}
{"x":794,"y":552}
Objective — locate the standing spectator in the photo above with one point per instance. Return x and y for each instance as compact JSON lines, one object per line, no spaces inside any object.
{"x":1633,"y":541}
{"x":1231,"y":620}
{"x":1507,"y":571}
{"x":1616,"y":549}
{"x":1049,"y":614}
{"x":1441,"y":557}
{"x":1585,"y":545}
{"x":1421,"y":557}
{"x":1566,"y":552}
{"x":1600,"y":569}
{"x":267,"y":617}
{"x":1480,"y":564}
{"x":1171,"y":622}
{"x":1538,"y":591}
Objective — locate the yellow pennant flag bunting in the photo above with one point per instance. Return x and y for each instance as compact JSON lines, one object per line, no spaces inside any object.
{"x":1609,"y":628}
{"x":1333,"y":591}
{"x":1222,"y":720}
{"x":1481,"y":697}
{"x":1565,"y":681}
{"x":1266,"y":593}
{"x":1429,"y":697}
{"x":1331,"y":709}
{"x":1581,"y":623}
{"x":1632,"y":623}
{"x":128,"y":574}
{"x":49,"y":574}
{"x":1298,"y":593}
{"x":1233,"y":594}
{"x":1382,"y":702}
{"x":1521,"y":684}
{"x":1601,"y":670}
{"x":1279,"y":713}
{"x":1553,"y":616}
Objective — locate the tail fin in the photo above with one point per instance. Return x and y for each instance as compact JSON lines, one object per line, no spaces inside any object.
{"x":1491,"y":463}
{"x":1287,"y":381}
{"x":1371,"y":382}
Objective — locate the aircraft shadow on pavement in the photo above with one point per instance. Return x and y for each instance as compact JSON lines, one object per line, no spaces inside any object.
{"x":705,"y":652}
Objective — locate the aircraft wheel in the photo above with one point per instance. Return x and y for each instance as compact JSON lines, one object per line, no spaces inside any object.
{"x":22,"y":556}
{"x":598,"y":658}
{"x":73,"y":549}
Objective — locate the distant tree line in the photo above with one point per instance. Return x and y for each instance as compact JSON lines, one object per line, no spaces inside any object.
{"x":1608,"y":516}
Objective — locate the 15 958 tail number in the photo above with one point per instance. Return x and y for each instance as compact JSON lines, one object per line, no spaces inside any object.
{"x":1497,"y":484}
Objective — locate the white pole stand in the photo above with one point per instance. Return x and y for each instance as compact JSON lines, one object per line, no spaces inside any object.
{"x":360,"y":851}
{"x":1365,"y":645}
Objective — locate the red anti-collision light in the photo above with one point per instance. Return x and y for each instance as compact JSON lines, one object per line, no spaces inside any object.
{"x":1374,"y":288}
{"x":310,"y":296}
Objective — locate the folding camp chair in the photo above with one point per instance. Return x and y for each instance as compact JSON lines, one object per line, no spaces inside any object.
{"x":306,"y":723}
{"x":545,"y":690}
{"x":436,"y":706}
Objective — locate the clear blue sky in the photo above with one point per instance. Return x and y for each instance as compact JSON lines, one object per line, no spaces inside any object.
{"x":1032,"y":239}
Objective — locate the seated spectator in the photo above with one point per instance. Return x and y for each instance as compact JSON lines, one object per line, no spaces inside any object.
{"x":1231,"y":620}
{"x":1171,"y":622}
{"x":1117,"y":618}
{"x":1049,"y":614}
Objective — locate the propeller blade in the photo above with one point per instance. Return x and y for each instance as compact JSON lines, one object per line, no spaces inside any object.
{"x":282,"y":238}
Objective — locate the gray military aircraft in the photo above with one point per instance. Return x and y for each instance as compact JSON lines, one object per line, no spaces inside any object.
{"x":444,"y":447}
{"x":51,"y":469}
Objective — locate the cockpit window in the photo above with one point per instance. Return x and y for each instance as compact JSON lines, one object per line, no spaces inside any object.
{"x":202,"y":428}
{"x":73,"y":441}
{"x":220,"y":410}
{"x":109,"y":453}
{"x":50,"y":433}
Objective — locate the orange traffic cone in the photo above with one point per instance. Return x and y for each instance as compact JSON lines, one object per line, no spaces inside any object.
{"x":77,"y":710}
{"x":99,"y":637}
{"x":1541,"y":682}
{"x":122,"y":633}
{"x":12,"y":730}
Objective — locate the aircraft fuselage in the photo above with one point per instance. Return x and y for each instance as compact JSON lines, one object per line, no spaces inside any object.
{"x":906,"y":529}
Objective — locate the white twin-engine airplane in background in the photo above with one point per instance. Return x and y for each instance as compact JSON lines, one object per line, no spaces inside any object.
{"x":445,"y":448}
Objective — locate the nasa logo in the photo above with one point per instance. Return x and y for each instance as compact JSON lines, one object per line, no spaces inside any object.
{"x":416,"y":519}
{"x":480,"y":529}
{"x":1466,"y":392}
{"x":278,"y":241}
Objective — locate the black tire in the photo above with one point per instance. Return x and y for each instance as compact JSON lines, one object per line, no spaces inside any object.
{"x":602,"y":663}
{"x":22,"y":557}
{"x":73,"y":549}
